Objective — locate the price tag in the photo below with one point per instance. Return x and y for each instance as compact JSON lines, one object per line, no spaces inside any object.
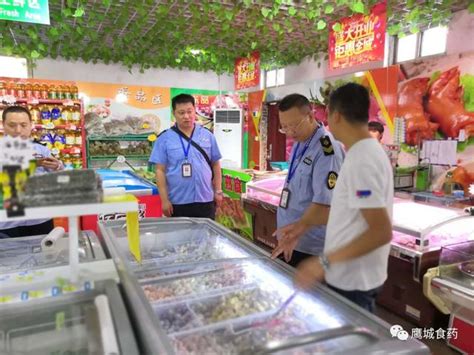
{"x":49,"y":125}
{"x":16,"y":151}
{"x":68,"y":103}
{"x":33,"y":102}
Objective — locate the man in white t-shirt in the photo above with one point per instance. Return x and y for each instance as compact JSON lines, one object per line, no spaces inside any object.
{"x":359,"y":230}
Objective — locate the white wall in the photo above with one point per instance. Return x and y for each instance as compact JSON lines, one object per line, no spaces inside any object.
{"x":461,"y":31}
{"x":116,"y":73}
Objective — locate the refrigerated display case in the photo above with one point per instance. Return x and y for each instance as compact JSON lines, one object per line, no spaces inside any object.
{"x":149,"y":201}
{"x":30,"y":253}
{"x":454,"y":284}
{"x":201,"y":289}
{"x":261,"y":201}
{"x":419,"y":232}
{"x":92,"y":322}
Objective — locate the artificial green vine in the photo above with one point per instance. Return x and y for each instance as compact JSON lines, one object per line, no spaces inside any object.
{"x":151,"y":35}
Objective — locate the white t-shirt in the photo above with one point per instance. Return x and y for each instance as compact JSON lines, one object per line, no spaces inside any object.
{"x":365,"y":181}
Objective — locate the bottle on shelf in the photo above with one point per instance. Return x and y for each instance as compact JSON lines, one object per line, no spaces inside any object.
{"x":44,"y":92}
{"x":45,"y":115}
{"x":60,"y":92}
{"x":35,"y":114}
{"x":52,"y":92}
{"x":56,"y":117}
{"x":70,"y":138}
{"x":11,"y":89}
{"x":76,"y":115}
{"x":74,"y":92}
{"x":67,"y":115}
{"x":20,"y":90}
{"x":67,"y":92}
{"x":28,"y":90}
{"x":67,"y":161}
{"x":37,"y":91}
{"x":78,"y":138}
{"x":76,"y":161}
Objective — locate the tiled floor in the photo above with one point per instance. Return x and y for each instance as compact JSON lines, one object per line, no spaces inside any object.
{"x":437,"y":347}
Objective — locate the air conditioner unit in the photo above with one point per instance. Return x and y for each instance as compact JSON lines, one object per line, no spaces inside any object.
{"x":228,"y":130}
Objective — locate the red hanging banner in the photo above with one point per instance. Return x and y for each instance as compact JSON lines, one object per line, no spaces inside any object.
{"x":358,"y":39}
{"x":247,"y":71}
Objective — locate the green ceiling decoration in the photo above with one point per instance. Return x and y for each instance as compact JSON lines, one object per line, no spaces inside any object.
{"x":203,"y":34}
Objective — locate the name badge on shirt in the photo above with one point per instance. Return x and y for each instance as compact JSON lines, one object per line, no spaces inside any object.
{"x":285,"y":198}
{"x":186,"y":170}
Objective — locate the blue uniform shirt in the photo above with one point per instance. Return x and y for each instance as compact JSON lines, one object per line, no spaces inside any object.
{"x":312,"y":182}
{"x":168,"y":151}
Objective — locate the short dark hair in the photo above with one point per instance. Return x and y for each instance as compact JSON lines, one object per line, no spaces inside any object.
{"x":182,"y":99}
{"x":376,"y":126}
{"x":352,"y":101}
{"x":15,"y":109}
{"x":293,"y":100}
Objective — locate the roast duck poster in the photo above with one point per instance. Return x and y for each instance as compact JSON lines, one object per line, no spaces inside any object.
{"x":436,"y":100}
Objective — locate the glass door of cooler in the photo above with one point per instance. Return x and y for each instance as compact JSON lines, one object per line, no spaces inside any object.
{"x":210,"y":292}
{"x":93,"y":322}
{"x":29,"y":253}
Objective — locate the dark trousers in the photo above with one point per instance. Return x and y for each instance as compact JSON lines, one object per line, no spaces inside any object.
{"x":195,"y":210}
{"x":25,"y":231}
{"x":365,"y":299}
{"x":298,"y":257}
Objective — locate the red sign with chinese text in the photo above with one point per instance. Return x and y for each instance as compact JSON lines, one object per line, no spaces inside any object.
{"x":360,"y":38}
{"x":247,"y":71}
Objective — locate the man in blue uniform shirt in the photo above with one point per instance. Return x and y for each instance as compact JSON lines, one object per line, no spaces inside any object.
{"x":316,"y":159}
{"x":188,"y":170}
{"x":17,"y":123}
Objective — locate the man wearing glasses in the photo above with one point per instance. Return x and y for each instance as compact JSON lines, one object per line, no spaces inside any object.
{"x":315,"y":161}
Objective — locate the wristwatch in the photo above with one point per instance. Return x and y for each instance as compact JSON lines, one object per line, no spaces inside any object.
{"x":324,"y":261}
{"x":218,"y":192}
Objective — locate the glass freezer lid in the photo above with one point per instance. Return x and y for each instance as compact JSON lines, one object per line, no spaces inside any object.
{"x":27,"y":253}
{"x":176,"y":243}
{"x":417,"y":218}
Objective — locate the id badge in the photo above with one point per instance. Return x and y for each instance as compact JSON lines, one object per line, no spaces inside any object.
{"x":186,"y":170}
{"x":285,"y":198}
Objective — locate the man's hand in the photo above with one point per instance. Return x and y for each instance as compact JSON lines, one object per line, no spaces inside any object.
{"x":49,"y":163}
{"x":308,"y":273}
{"x":292,"y":231}
{"x":218,"y":197}
{"x":167,"y":207}
{"x":285,"y":246}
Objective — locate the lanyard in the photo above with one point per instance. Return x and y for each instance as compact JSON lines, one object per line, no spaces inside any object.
{"x":186,"y":150}
{"x":293,"y":166}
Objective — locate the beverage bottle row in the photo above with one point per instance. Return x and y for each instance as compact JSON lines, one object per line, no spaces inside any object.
{"x":40,"y":91}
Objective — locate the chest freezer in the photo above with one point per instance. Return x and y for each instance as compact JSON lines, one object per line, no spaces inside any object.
{"x":92,"y":322}
{"x":30,"y":253}
{"x":201,"y":289}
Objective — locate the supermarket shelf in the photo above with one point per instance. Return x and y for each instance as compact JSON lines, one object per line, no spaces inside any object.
{"x":63,"y":126}
{"x":111,"y":157}
{"x":48,"y":101}
{"x":129,"y":137}
{"x":72,"y":210}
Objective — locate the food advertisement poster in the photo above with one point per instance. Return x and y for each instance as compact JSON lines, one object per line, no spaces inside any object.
{"x":358,"y":39}
{"x":121,"y":109}
{"x":247,"y":71}
{"x":231,"y":213}
{"x":436,"y":100}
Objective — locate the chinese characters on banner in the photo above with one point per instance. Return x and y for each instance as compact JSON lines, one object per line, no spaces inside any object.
{"x":359,"y":39}
{"x":34,"y":11}
{"x":247,"y":71}
{"x":233,"y":184}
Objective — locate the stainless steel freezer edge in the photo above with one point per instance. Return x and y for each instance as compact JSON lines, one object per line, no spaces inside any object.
{"x":154,"y":337}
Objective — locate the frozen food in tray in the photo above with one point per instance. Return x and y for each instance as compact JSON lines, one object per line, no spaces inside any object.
{"x":27,"y":253}
{"x":227,"y":277}
{"x":254,"y":332}
{"x":170,"y":245}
